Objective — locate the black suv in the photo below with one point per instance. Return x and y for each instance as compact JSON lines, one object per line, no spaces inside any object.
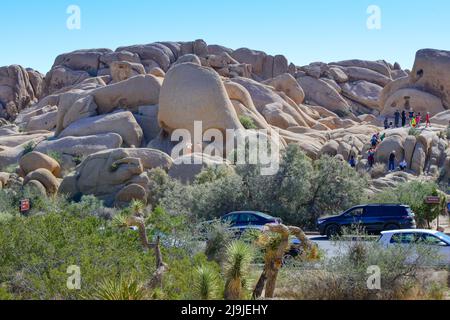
{"x":374,"y":218}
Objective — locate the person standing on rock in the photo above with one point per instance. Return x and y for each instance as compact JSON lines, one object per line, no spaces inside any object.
{"x":386,"y":123}
{"x":352,"y":161}
{"x":427,"y":118}
{"x":371,"y":157}
{"x":418,"y":120}
{"x":403,"y":118}
{"x":392,"y":161}
{"x":411,"y":118}
{"x":374,"y":141}
{"x":397,"y":118}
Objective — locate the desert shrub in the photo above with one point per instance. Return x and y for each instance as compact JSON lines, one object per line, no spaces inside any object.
{"x":414,"y":132}
{"x":247,"y":123}
{"x":218,"y":237}
{"x":299,"y":192}
{"x":78,"y":160}
{"x":35,"y":253}
{"x":212,"y":174}
{"x":11,"y":168}
{"x":413,"y":194}
{"x":345,"y":277}
{"x":160,"y":184}
{"x":181,"y":281}
{"x":56,"y":156}
{"x":378,"y":170}
{"x":206,"y":283}
{"x":336,"y":187}
{"x":29,"y":147}
{"x":447,"y":133}
{"x":10,"y":199}
{"x":122,"y":289}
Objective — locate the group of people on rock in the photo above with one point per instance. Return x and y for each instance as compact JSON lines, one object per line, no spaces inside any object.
{"x":374,"y":142}
{"x":415,"y":119}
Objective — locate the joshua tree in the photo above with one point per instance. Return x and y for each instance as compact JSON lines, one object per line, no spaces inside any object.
{"x":275,"y":251}
{"x":206,"y":285}
{"x":239,"y":256}
{"x":136,"y":219}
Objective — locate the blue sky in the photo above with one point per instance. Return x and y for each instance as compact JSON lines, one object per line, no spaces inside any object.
{"x":35,"y":32}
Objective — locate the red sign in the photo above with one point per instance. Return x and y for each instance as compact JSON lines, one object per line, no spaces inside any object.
{"x":25,"y":205}
{"x":433,"y":200}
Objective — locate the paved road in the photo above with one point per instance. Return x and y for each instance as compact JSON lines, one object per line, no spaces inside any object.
{"x":331,"y":248}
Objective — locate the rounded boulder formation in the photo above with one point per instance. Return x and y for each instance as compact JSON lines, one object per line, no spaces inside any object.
{"x":46,"y":178}
{"x":193,"y":93}
{"x":36,"y":160}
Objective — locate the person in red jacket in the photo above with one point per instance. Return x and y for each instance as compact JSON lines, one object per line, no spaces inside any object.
{"x":428,"y":119}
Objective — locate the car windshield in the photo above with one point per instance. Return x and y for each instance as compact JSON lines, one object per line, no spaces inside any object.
{"x":443,"y":236}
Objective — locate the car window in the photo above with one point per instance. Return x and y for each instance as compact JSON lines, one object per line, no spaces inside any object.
{"x":431,"y":240}
{"x":385,"y":211}
{"x":356,"y":212}
{"x":248,"y":218}
{"x":404,"y":238}
{"x":231,"y":218}
{"x":444,"y":237}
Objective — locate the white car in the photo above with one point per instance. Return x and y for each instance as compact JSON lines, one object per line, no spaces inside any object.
{"x":438,"y":240}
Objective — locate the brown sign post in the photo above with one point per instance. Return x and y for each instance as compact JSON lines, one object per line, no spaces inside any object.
{"x":433,"y":200}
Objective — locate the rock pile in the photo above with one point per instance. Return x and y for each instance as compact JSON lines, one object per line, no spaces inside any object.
{"x":109,"y":115}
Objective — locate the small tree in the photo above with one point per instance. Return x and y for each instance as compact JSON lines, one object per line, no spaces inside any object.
{"x":239,"y":256}
{"x":276,"y":246}
{"x":206,"y":284}
{"x":414,"y":194}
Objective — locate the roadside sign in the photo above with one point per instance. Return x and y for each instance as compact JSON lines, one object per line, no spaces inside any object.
{"x":25,"y":205}
{"x":433,"y":200}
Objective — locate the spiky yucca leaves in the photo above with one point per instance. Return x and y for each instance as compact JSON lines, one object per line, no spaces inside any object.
{"x":121,"y":220}
{"x":137,"y":207}
{"x":206,"y":285}
{"x":239,"y":255}
{"x":120,"y":289}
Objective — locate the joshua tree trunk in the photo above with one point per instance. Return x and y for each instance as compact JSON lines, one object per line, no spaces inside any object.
{"x":300,"y":235}
{"x":161,"y":267}
{"x":257,"y":293}
{"x":140,"y":224}
{"x":274,"y":258}
{"x":273,"y":262}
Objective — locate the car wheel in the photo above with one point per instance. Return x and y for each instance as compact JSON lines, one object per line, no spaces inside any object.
{"x":333,"y":230}
{"x":391,"y":227}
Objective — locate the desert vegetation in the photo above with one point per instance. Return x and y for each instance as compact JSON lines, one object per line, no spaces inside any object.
{"x":121,"y":251}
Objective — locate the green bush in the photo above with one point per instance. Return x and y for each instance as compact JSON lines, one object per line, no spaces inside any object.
{"x":247,"y":123}
{"x":300,"y":192}
{"x":414,"y":132}
{"x":56,"y":156}
{"x":35,"y":253}
{"x":413,"y":194}
{"x":29,"y":147}
{"x":345,"y":276}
